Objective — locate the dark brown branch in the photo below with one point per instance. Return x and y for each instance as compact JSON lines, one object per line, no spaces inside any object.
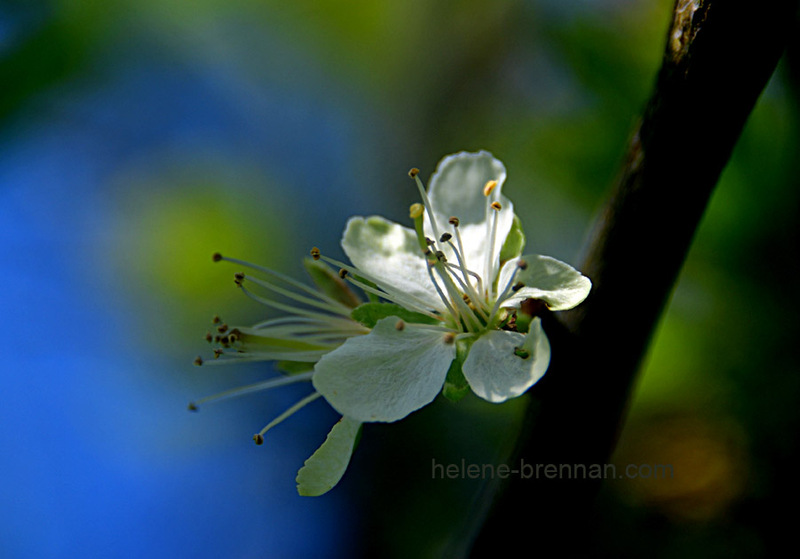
{"x":718,"y":58}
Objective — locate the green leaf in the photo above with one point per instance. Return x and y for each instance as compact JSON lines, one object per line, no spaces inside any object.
{"x":369,"y":314}
{"x":514,"y":243}
{"x":323,"y":470}
{"x":456,"y":385}
{"x":330,"y":283}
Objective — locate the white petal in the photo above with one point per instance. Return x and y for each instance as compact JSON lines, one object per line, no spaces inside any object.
{"x":456,"y":189}
{"x":496,"y":373}
{"x":387,"y":374}
{"x":558,"y":284}
{"x":391,"y":254}
{"x":323,"y":470}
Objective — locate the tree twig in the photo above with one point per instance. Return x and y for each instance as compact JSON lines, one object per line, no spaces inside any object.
{"x":718,"y":58}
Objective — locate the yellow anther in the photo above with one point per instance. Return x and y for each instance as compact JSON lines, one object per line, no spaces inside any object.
{"x":489,"y":186}
{"x":315,"y":253}
{"x":416,"y":210}
{"x":413,"y":172}
{"x":496,"y":206}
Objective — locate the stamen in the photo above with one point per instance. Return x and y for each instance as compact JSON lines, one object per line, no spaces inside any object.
{"x":455,"y":222}
{"x":416,"y":210}
{"x":468,"y":289}
{"x":291,"y":411}
{"x":386,"y":291}
{"x":414,"y":174}
{"x":521,"y":265}
{"x":490,"y":185}
{"x":284,"y":278}
{"x":449,"y":338}
{"x":198,"y":361}
{"x":334,"y":307}
{"x":315,"y":253}
{"x":400,"y":326}
{"x":256,"y":387}
{"x":440,"y":292}
{"x":470,"y":320}
{"x":465,"y":272}
{"x":280,"y":306}
{"x":490,"y":252}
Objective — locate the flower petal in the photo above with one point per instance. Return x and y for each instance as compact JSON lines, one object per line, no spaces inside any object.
{"x":390,"y":254}
{"x":456,"y":189}
{"x":323,"y":470}
{"x":387,"y":374}
{"x":558,"y":284}
{"x":494,"y":369}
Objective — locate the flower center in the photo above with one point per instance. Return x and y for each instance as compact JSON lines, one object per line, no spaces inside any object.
{"x":472,"y":302}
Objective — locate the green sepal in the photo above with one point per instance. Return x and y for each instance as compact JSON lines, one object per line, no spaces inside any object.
{"x":330,"y":283}
{"x":455,"y":384}
{"x":369,"y":314}
{"x":514,"y":243}
{"x":323,"y":470}
{"x":293,"y":367}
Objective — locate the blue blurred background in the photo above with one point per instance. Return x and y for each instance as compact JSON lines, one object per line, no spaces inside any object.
{"x":138,"y":138}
